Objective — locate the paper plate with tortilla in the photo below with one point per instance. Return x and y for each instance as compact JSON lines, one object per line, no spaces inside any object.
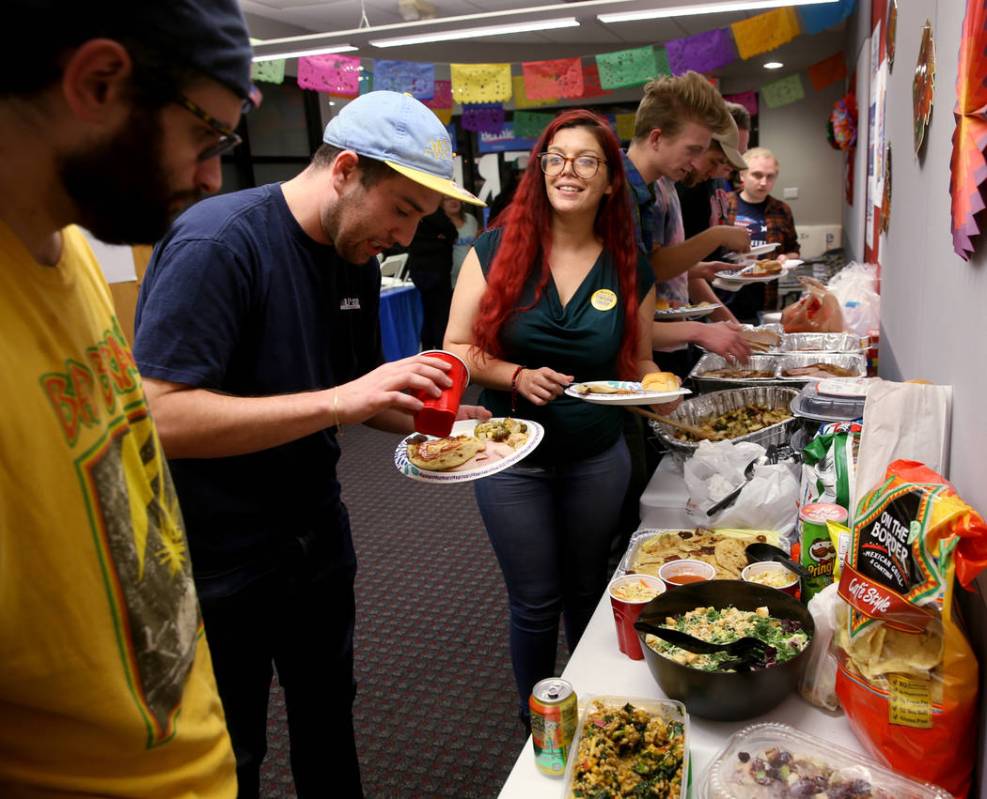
{"x":473,"y":449}
{"x":622,"y":392}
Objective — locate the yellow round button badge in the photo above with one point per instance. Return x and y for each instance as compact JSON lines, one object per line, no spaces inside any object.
{"x":604,"y":300}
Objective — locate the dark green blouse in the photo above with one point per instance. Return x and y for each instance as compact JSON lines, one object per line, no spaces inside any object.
{"x":582,"y":339}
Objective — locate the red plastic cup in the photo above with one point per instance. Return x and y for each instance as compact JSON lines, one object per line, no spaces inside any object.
{"x":626,"y":610}
{"x":439,"y":413}
{"x":773,"y":575}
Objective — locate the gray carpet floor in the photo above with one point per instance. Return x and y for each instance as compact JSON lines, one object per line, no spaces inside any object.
{"x":436,"y":708}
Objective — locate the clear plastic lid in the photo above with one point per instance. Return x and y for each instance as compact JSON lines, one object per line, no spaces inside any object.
{"x":666,"y":709}
{"x":771,"y":761}
{"x":810,"y":404}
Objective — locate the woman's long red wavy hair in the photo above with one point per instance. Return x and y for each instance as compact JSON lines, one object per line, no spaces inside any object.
{"x":526,"y":242}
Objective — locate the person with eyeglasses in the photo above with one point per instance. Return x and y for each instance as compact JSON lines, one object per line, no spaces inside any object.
{"x":556,"y":293}
{"x":258,"y":337}
{"x":106,"y":683}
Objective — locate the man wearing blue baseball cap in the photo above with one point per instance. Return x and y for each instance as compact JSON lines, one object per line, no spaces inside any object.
{"x":258,"y":338}
{"x":112,"y":116}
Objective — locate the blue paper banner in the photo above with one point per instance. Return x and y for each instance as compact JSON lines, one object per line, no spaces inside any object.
{"x":417,"y":79}
{"x":816,"y":19}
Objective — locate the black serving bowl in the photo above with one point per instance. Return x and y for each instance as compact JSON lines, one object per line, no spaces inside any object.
{"x":721,"y":695}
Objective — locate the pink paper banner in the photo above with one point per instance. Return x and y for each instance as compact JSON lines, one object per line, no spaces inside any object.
{"x":442,"y":95}
{"x":747,"y":99}
{"x":330,"y":74}
{"x":703,"y":52}
{"x":544,"y":80}
{"x":483,"y":117}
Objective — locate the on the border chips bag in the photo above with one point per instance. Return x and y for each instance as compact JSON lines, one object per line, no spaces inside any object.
{"x":907,"y":676}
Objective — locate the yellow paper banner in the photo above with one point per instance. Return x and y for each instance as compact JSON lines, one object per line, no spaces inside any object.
{"x":521,"y":99}
{"x":765,"y":31}
{"x":481,"y":83}
{"x":444,"y":114}
{"x":625,"y":126}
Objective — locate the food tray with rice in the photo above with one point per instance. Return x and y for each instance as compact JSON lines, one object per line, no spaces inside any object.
{"x":715,"y":373}
{"x":724,"y":550}
{"x":802,"y":367}
{"x":760,"y":414}
{"x":627,"y":747}
{"x":821,"y":342}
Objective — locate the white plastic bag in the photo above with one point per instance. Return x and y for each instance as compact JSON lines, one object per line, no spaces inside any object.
{"x":818,"y":683}
{"x":767,"y":502}
{"x":855,"y":286}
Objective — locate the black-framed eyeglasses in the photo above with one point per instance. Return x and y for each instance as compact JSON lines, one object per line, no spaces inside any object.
{"x":228,"y":138}
{"x":585,"y":166}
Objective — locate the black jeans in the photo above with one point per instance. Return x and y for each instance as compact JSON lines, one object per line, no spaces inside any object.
{"x":298,"y":619}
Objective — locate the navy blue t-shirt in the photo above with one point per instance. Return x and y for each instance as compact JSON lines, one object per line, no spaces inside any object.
{"x":751,"y":216}
{"x":239,"y":300}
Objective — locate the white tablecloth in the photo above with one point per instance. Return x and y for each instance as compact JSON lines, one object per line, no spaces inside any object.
{"x":598,"y":667}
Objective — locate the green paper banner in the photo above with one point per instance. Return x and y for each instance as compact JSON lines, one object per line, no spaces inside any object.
{"x":783,"y":92}
{"x":268,"y":71}
{"x":627,"y":67}
{"x":530,"y":124}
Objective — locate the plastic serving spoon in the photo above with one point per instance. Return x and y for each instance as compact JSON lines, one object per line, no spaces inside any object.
{"x":745,"y":649}
{"x":730,"y":498}
{"x":757,"y":553}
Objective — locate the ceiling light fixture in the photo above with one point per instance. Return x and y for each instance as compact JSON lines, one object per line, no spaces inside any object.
{"x":476,"y":33}
{"x":706,"y":8}
{"x":773,"y":65}
{"x":341,"y":48}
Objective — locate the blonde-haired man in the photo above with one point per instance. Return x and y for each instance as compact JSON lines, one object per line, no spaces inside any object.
{"x":768,"y":219}
{"x":675,"y":123}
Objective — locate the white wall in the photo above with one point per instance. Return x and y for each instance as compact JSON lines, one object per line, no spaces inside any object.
{"x":796,"y":133}
{"x":933,"y":323}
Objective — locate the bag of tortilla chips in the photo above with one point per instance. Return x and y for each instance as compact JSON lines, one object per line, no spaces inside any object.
{"x":907,"y":676}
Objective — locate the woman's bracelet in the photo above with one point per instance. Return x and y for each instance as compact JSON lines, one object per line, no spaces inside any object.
{"x":514,"y":381}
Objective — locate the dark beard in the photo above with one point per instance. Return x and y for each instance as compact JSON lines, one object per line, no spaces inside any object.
{"x":119,"y":187}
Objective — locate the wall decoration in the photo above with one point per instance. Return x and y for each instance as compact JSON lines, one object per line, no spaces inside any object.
{"x":924,"y":85}
{"x":625,"y":126}
{"x":886,"y":195}
{"x":627,"y":67}
{"x":765,"y":32}
{"x":441,"y":95}
{"x":562,"y":77}
{"x":891,"y":32}
{"x":591,"y":81}
{"x":828,"y":71}
{"x":843,"y":121}
{"x":411,"y":77}
{"x":481,"y":83}
{"x":968,"y":166}
{"x":268,"y":71}
{"x":521,"y":99}
{"x":703,"y":52}
{"x":483,"y":117}
{"x":747,"y":99}
{"x":782,"y":92}
{"x":330,"y":73}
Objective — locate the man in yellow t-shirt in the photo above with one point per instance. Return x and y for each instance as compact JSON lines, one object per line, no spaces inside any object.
{"x":106,"y":685}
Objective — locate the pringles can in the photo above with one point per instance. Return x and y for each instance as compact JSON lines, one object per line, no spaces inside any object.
{"x":818,"y":554}
{"x":554,"y":715}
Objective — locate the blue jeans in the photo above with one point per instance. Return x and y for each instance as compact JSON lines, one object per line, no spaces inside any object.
{"x":550,"y":529}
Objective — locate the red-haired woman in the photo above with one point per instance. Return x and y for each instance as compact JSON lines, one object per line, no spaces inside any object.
{"x":556,"y":293}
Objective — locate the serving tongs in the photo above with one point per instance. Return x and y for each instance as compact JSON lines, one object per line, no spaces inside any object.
{"x":698,"y":432}
{"x":747,"y":650}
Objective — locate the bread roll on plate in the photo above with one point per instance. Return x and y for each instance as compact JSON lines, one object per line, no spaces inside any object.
{"x":661,"y":382}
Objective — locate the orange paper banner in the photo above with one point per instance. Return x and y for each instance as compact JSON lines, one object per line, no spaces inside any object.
{"x":828,"y":71}
{"x":765,"y":32}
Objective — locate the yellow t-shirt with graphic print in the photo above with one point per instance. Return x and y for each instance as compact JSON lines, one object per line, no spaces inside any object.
{"x":106,"y":686}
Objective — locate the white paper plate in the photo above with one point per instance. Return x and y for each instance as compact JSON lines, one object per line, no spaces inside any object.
{"x":791,"y":263}
{"x":734,"y":277}
{"x":687,"y":312}
{"x":639,"y":397}
{"x":466,"y":473}
{"x":760,"y":249}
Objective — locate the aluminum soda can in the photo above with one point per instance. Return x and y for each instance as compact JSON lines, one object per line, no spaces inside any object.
{"x":554,"y":715}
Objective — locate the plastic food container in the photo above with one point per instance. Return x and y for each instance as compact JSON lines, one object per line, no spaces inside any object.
{"x":809,"y":403}
{"x":668,"y":709}
{"x":698,"y":409}
{"x":775,"y":752}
